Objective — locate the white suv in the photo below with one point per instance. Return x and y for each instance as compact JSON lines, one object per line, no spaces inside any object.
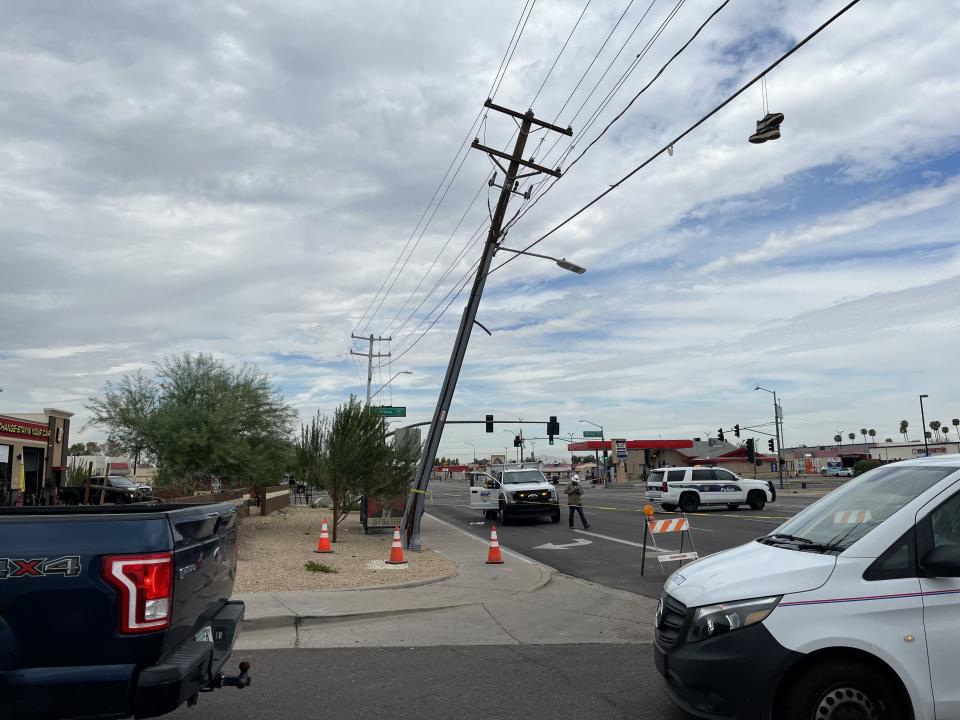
{"x":688,"y":488}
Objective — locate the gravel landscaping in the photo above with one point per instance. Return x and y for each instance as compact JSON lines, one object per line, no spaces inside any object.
{"x":274,"y":550}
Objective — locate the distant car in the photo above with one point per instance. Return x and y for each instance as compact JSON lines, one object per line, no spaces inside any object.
{"x":836,"y":472}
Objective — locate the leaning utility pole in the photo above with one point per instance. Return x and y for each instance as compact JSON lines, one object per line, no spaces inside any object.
{"x":414,"y":509}
{"x":370,"y":356}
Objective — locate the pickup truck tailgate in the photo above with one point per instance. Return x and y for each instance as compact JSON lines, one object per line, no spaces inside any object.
{"x":205,"y":564}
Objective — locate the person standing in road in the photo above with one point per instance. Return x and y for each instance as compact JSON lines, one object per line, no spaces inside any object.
{"x":574,"y":494}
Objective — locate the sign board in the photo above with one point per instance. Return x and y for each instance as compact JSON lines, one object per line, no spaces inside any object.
{"x":592,"y":433}
{"x":673,"y":557}
{"x":933,"y":449}
{"x":390,"y":411}
{"x":22,"y":429}
{"x":621,"y":448}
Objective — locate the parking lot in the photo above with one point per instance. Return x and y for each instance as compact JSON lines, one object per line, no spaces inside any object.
{"x":610,"y":551}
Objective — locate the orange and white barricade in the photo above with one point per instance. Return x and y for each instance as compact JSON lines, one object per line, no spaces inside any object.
{"x":653,"y":527}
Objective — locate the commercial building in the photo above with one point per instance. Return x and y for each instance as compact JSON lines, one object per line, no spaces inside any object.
{"x":891,"y":452}
{"x":33,"y":455}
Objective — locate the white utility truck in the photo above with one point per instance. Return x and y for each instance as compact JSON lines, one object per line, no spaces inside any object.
{"x":513,"y":492}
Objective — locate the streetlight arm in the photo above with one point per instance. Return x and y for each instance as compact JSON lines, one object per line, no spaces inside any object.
{"x":383,"y":387}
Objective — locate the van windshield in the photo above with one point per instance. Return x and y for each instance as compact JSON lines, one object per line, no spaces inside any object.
{"x":850,"y":512}
{"x":523,"y":476}
{"x":656,"y":478}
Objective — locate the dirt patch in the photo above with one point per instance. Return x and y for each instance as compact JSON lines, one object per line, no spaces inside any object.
{"x":275,"y":549}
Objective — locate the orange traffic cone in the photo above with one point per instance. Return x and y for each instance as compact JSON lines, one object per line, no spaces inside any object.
{"x":396,"y":550}
{"x":323,"y":544}
{"x":493,"y":556}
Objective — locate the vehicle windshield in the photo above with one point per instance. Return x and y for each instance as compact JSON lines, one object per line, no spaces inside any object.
{"x":655,"y":478}
{"x":523,"y":476}
{"x":850,"y":512}
{"x":121,"y":482}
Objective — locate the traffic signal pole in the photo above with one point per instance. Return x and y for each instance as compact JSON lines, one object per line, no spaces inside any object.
{"x":415,"y":501}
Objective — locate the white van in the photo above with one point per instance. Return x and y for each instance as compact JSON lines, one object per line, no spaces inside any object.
{"x":690,"y":487}
{"x":851,"y":609}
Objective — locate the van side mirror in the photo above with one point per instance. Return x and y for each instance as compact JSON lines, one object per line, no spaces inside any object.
{"x":943,"y":561}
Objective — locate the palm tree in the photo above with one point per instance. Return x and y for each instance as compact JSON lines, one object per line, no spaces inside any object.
{"x":873,"y":435}
{"x":838,"y":439}
{"x":903,"y":429}
{"x":927,"y":434}
{"x":863,"y":431}
{"x":935,"y":426}
{"x":956,"y":425}
{"x":852,"y":436}
{"x":890,"y":440}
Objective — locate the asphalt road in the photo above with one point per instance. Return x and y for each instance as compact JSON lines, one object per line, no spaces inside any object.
{"x":610,"y":551}
{"x":535,"y":682}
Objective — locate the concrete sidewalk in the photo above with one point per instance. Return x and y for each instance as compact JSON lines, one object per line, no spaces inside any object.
{"x":519,"y":602}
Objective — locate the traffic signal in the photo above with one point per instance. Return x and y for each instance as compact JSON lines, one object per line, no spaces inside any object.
{"x":553,"y":428}
{"x":720,"y":434}
{"x":770,"y":444}
{"x":736,"y":430}
{"x":751,"y":451}
{"x":489,"y":423}
{"x":516,"y":441}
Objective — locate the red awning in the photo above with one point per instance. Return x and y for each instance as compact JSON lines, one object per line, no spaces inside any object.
{"x":631,"y":445}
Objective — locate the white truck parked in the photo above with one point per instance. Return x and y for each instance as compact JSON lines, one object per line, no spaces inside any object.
{"x":514,"y":492}
{"x":689,"y":488}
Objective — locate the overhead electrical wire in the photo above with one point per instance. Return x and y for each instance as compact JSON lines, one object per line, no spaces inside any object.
{"x":681,"y":136}
{"x":560,"y":54}
{"x":494,"y":87}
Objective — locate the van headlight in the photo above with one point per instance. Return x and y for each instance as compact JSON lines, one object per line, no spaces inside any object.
{"x":712,"y":620}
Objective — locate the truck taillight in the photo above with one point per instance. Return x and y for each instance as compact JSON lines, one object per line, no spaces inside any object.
{"x":663,"y":487}
{"x":145,"y":585}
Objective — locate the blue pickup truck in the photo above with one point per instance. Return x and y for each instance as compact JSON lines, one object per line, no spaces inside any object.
{"x":116,"y":611}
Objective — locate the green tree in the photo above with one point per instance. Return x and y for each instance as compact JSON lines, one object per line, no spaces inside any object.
{"x":862,"y":466}
{"x":863,"y":431}
{"x":935,"y":426}
{"x":852,"y":436}
{"x":956,"y":426}
{"x":903,"y":429}
{"x":77,"y":449}
{"x":838,"y":438}
{"x":200,"y":419}
{"x":92,"y":448}
{"x":873,"y":435}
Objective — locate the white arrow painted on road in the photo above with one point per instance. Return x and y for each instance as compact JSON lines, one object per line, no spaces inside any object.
{"x":576,"y":543}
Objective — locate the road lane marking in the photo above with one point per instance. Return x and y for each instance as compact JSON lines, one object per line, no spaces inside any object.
{"x":650,"y":548}
{"x":578,"y":542}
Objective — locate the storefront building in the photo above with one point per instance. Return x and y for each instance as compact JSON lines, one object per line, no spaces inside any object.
{"x":892,"y":452}
{"x":33,"y":455}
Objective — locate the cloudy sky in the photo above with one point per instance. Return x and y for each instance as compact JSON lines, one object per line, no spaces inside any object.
{"x":249,"y":178}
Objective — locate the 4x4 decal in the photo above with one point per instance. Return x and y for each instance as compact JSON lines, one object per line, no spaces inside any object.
{"x":67,"y":566}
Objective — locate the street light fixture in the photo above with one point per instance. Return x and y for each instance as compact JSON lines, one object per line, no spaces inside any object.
{"x":561,"y":262}
{"x":926,"y":448}
{"x":396,"y":375}
{"x":776,"y":428}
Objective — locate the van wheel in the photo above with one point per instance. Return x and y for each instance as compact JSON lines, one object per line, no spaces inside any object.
{"x":689,"y":502}
{"x":555,"y":516}
{"x":756,"y":501}
{"x":504,"y":515}
{"x":669,"y":507}
{"x":839,"y":689}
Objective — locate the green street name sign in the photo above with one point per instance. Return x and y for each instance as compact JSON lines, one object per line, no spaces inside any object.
{"x":390,"y":411}
{"x":592,"y":433}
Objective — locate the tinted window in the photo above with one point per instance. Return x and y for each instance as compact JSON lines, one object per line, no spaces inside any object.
{"x":675,"y":475}
{"x":656,"y":477}
{"x":725,"y":475}
{"x":523,"y":476}
{"x":897,"y":562}
{"x":703,"y":475}
{"x":945,"y":523}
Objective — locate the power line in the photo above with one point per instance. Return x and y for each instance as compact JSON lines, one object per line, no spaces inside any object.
{"x":686,"y":132}
{"x":560,"y":54}
{"x":504,"y":64}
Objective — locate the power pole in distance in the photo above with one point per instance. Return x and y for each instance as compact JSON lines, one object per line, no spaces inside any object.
{"x":414,"y":509}
{"x":370,"y":356}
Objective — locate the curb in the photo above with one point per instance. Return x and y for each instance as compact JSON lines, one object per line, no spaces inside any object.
{"x":279,"y":622}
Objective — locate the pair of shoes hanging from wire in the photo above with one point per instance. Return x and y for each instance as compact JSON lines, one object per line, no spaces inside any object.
{"x":768,"y":128}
